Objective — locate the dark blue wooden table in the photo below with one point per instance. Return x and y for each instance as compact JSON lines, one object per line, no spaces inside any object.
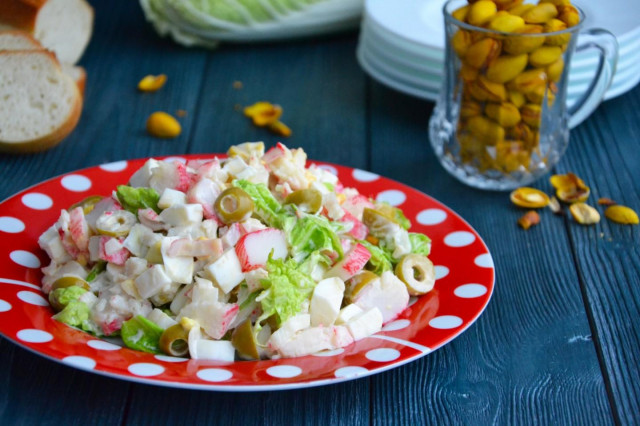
{"x":559,"y":342}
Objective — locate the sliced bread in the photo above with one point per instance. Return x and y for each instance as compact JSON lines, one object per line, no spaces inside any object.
{"x":64,"y":26}
{"x":39,"y":104}
{"x":21,"y":40}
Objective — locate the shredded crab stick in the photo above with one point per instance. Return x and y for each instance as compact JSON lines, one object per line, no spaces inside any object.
{"x":256,"y":255}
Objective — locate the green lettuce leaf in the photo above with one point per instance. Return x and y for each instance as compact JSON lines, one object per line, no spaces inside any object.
{"x":266,"y":205}
{"x":380,"y":261}
{"x":285,"y":289}
{"x":394,"y":213}
{"x":98,"y":268}
{"x":133,"y":199}
{"x":141,"y":334}
{"x":67,"y":294}
{"x":76,"y":313}
{"x":420,"y":243}
{"x":310,"y":233}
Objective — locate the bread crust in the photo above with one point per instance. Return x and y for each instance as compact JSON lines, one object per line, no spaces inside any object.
{"x":51,"y":139}
{"x":23,"y":34}
{"x":21,"y":14}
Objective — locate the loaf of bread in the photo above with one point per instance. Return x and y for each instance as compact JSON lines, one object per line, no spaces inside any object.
{"x":21,"y":40}
{"x":63,"y":26}
{"x":39,"y":104}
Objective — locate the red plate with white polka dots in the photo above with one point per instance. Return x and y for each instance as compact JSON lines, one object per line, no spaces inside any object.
{"x":464,"y":270}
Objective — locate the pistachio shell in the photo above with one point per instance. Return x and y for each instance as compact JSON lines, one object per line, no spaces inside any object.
{"x":484,"y":90}
{"x":531,"y":114}
{"x":554,"y":70}
{"x":487,"y":131}
{"x":621,"y":214}
{"x":512,"y":156}
{"x":521,"y":9}
{"x":540,"y":13}
{"x":544,"y":55}
{"x":530,"y":198}
{"x":482,"y":52}
{"x":461,"y":13}
{"x":556,"y":40}
{"x":506,"y":68}
{"x":523,"y":43}
{"x":470,"y":109}
{"x":506,"y":23}
{"x":569,"y":15}
{"x":506,"y":114}
{"x":460,"y":42}
{"x":516,"y":98}
{"x":481,"y":12}
{"x":584,"y":214}
{"x":529,"y":81}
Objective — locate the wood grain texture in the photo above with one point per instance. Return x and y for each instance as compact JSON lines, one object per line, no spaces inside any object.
{"x":530,"y":354}
{"x":604,"y":152}
{"x":39,"y":391}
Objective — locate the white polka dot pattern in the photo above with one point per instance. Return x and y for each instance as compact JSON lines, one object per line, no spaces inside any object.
{"x":383,"y":354}
{"x":396,"y":325}
{"x":484,"y":261}
{"x":364,"y":176}
{"x":214,"y":374}
{"x":445,"y":322}
{"x":5,"y":306}
{"x":470,"y":291}
{"x":32,"y":335}
{"x":392,"y":196}
{"x":32,"y":298}
{"x":101,"y":345}
{"x":24,"y":258}
{"x":75,"y":183}
{"x":459,"y":239}
{"x":441,"y":271}
{"x":431,"y":217}
{"x":83,"y":362}
{"x":350,"y":371}
{"x":37,"y":201}
{"x":11,"y":225}
{"x":146,"y":369}
{"x":284,"y":371}
{"x":116,"y":166}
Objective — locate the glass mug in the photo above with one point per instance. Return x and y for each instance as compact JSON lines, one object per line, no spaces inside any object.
{"x":501,"y":120}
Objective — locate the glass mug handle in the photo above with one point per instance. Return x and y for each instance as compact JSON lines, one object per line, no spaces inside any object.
{"x":607,"y":46}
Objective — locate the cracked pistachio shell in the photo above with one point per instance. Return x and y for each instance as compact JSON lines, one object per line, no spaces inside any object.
{"x":540,"y":14}
{"x":482,"y":52}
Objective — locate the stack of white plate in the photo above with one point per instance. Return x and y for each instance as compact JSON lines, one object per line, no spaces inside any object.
{"x":402,"y":45}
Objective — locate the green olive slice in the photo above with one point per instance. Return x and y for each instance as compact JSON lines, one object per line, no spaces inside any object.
{"x":417,"y":272}
{"x":233,"y":205}
{"x":308,"y":200}
{"x":87,"y":204}
{"x":64,"y":282}
{"x":174,"y":341}
{"x":244,"y":341}
{"x":69,"y":281}
{"x":116,"y":224}
{"x":358,"y":282}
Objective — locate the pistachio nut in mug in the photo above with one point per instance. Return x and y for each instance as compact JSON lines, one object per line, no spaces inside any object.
{"x":502,"y":120}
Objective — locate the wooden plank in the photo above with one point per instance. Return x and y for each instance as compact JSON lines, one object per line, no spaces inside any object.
{"x":317,"y":83}
{"x":603,"y":151}
{"x":39,"y":391}
{"x":342,"y":404}
{"x":529,"y":356}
